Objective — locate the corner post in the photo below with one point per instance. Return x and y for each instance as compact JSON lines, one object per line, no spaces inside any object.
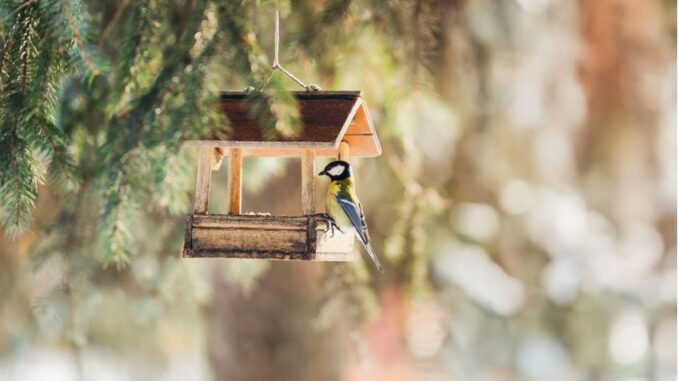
{"x":217,"y":158}
{"x":344,"y":151}
{"x":203,"y":180}
{"x":308,"y":181}
{"x":235,"y":181}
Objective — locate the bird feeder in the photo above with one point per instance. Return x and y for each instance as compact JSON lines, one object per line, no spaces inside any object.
{"x":333,"y":124}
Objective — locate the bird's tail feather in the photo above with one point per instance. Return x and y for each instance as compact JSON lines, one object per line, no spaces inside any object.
{"x":373,"y":255}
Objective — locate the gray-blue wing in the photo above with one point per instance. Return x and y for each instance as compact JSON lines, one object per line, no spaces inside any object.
{"x":355,"y":214}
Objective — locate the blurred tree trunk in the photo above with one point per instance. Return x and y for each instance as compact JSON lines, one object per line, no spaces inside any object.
{"x":268,"y":334}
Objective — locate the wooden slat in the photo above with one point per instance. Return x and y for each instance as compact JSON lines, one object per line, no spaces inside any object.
{"x":258,"y":144}
{"x":308,"y":181}
{"x":345,"y":94}
{"x":250,"y":221}
{"x":235,"y":181}
{"x":265,"y":237}
{"x":249,"y":240}
{"x":361,"y":146}
{"x":203,"y":179}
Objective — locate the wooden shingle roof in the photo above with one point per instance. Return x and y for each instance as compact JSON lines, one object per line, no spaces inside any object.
{"x":327,"y":118}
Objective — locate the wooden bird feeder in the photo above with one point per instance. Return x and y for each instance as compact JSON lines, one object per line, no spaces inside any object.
{"x":334,"y":124}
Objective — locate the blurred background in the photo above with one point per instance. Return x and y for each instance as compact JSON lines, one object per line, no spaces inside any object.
{"x":524,"y":205}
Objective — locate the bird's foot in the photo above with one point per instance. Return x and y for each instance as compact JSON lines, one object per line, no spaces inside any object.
{"x":329,"y":224}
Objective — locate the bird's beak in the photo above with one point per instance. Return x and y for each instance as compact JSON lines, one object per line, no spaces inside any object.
{"x":322,"y":173}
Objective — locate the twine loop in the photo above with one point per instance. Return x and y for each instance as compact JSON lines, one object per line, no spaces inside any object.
{"x":276,"y":66}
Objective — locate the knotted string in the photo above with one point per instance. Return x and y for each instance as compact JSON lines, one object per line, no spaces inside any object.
{"x":276,"y":63}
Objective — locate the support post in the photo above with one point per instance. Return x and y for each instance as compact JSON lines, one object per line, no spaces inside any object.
{"x":344,"y":151}
{"x":203,"y":180}
{"x":217,"y":158}
{"x":308,"y":181}
{"x":235,"y":181}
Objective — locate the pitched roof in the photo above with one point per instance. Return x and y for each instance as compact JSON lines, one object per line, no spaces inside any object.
{"x":327,"y":117}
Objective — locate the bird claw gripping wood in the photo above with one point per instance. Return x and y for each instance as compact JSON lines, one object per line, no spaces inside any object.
{"x":329,"y":223}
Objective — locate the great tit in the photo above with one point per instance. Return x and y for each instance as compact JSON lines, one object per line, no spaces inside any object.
{"x":343,"y":207}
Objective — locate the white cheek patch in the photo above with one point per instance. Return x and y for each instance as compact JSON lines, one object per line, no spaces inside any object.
{"x":336,"y":170}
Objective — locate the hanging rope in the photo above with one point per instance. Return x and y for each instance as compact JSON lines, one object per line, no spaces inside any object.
{"x":276,"y":62}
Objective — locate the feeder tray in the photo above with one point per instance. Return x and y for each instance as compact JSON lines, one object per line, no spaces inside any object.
{"x":333,"y":124}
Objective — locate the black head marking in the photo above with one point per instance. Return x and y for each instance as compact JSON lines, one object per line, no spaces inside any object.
{"x":337,"y":170}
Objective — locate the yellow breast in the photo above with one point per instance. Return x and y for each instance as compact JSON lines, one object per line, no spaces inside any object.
{"x":333,"y":208}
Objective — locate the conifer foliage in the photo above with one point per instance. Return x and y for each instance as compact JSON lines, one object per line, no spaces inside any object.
{"x":101,"y":102}
{"x":29,"y":66}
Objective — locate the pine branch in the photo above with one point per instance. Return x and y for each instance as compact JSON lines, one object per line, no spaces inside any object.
{"x":120,"y":10}
{"x":127,"y":136}
{"x":133,"y":27}
{"x":42,"y":99}
{"x":126,"y":132}
{"x":30,"y":70}
{"x":3,"y":50}
{"x":20,"y":170}
{"x":71,"y":23}
{"x":26,"y":50}
{"x":24,"y":5}
{"x":186,"y":105}
{"x":114,"y":222}
{"x":78,"y":38}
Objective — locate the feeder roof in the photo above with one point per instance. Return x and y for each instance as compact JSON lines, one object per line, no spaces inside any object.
{"x":327,"y":118}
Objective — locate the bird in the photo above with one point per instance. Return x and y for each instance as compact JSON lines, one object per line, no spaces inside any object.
{"x":343,"y":207}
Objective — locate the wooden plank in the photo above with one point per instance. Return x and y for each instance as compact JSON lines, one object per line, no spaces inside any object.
{"x":361,"y":146}
{"x":203,"y":179}
{"x":259,"y":144}
{"x":250,"y":221}
{"x":344,"y":151}
{"x":334,"y":248}
{"x":235,"y":181}
{"x":348,"y":123}
{"x":249,"y":240}
{"x":361,"y":124}
{"x":348,"y":94}
{"x":265,"y":237}
{"x":245,"y":236}
{"x":308,"y":181}
{"x":245,"y":225}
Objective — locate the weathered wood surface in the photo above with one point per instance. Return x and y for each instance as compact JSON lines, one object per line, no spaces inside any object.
{"x":322,"y":120}
{"x":358,"y":143}
{"x":308,"y":182}
{"x":348,"y":94}
{"x":235,"y":181}
{"x":265,"y":237}
{"x":327,"y":118}
{"x":203,"y":179}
